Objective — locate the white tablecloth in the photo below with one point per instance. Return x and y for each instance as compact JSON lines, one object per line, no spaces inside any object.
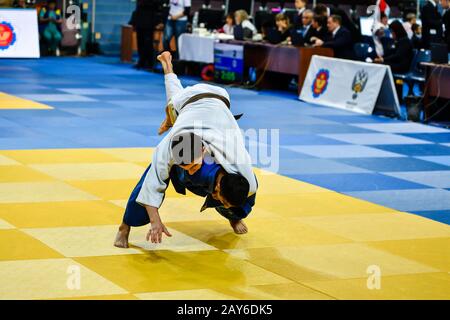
{"x":196,"y":48}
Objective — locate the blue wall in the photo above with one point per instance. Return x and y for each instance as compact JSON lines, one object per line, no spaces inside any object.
{"x":110,"y":16}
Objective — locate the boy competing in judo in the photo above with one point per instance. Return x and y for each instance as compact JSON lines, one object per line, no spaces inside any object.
{"x":203,"y":152}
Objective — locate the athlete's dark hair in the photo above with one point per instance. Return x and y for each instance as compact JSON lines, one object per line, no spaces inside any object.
{"x":234,"y":188}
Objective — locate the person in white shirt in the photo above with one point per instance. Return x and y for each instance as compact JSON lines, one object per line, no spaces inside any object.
{"x":177,"y":21}
{"x":201,"y":110}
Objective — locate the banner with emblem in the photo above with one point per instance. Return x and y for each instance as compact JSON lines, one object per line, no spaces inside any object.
{"x":356,"y":86}
{"x":19,"y":35}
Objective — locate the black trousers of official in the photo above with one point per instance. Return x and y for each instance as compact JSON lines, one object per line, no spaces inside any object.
{"x":146,"y":50}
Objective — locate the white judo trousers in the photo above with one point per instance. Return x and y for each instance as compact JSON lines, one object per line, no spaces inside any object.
{"x":209,"y":119}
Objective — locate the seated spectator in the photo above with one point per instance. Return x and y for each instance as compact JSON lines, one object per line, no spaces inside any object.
{"x":228,"y":27}
{"x":339,"y":39}
{"x":409,"y":22}
{"x":244,"y":29}
{"x":400,"y":59}
{"x":347,"y":22}
{"x":282,"y":31}
{"x":302,"y":35}
{"x":50,"y":23}
{"x":319,"y":29}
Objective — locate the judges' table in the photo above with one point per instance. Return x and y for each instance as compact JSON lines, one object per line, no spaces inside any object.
{"x":198,"y":48}
{"x":437,"y":85}
{"x":282,"y":59}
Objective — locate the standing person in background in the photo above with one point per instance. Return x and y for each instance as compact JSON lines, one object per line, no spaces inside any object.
{"x":300,"y":6}
{"x":144,"y":20}
{"x":431,"y":24}
{"x":400,"y":60}
{"x":177,"y":21}
{"x":50,"y":23}
{"x":446,"y":20}
{"x":417,"y":36}
{"x":409,"y":22}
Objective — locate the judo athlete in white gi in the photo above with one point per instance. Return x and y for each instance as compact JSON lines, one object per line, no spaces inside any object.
{"x":218,"y":166}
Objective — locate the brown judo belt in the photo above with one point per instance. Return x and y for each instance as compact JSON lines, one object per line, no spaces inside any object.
{"x":213,"y":96}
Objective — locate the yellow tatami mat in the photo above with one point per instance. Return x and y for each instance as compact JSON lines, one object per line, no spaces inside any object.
{"x":8,"y":101}
{"x":59,"y":210}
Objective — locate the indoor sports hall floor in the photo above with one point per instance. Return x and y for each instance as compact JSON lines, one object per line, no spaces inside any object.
{"x":351,"y":194}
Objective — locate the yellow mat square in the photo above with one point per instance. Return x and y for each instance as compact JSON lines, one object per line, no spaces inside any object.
{"x":198,"y":294}
{"x":320,"y":262}
{"x":92,"y":171}
{"x":98,"y":241}
{"x":61,"y":214}
{"x":262,"y":233}
{"x":6,"y":161}
{"x":434,"y":252}
{"x":107,"y":189}
{"x":179,"y":271}
{"x":51,"y":278}
{"x":270,"y":184}
{"x":425,"y":286}
{"x":374,"y":227}
{"x":21,"y":174}
{"x":317,"y":204}
{"x":41,"y":192}
{"x":16,"y":245}
{"x":141,"y":155}
{"x":59,"y":156}
{"x":8,"y":101}
{"x":5,"y":225}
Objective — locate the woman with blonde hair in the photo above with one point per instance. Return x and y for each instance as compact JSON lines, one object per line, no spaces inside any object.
{"x":244,"y":28}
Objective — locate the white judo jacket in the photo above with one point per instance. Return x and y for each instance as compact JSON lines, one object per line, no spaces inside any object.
{"x":208,"y":118}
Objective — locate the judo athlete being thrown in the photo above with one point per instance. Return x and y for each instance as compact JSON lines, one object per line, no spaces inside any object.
{"x":203,"y":152}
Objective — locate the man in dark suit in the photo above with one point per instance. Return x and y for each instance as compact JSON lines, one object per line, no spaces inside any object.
{"x":300,"y":6}
{"x":322,"y":9}
{"x":431,"y":23}
{"x":339,"y":39}
{"x":446,"y":20}
{"x":302,"y":35}
{"x":145,"y":18}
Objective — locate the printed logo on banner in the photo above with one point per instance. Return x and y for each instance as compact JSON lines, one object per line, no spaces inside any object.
{"x":359,"y":83}
{"x":320,"y":83}
{"x":7,"y":35}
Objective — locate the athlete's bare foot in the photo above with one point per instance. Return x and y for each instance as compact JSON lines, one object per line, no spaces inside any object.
{"x":122,"y":236}
{"x":239,"y":227}
{"x":166,"y":61}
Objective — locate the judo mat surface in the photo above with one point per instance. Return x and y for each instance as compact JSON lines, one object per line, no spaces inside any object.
{"x":351,"y":198}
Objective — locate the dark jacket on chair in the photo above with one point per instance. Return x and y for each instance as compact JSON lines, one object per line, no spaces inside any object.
{"x":341,"y":43}
{"x":431,"y":24}
{"x":400,"y":60}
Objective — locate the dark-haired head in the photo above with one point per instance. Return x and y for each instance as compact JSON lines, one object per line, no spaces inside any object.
{"x":397,"y":29}
{"x":234,"y":190}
